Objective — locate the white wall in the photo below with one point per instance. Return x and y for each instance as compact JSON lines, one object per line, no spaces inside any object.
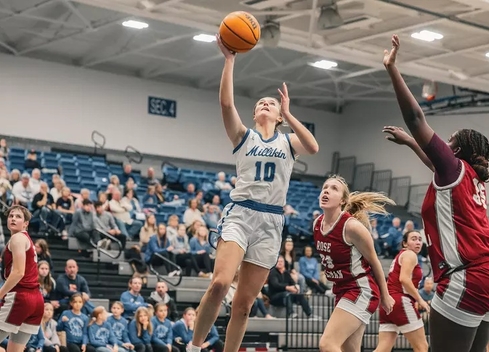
{"x":65,"y":104}
{"x":362,"y":136}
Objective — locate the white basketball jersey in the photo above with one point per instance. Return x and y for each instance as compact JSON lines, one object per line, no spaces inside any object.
{"x":263,"y":168}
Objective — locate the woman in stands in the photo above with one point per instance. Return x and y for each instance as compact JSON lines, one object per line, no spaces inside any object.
{"x":251,"y":228}
{"x":349,"y":260}
{"x":456,"y":224}
{"x":404,"y":277}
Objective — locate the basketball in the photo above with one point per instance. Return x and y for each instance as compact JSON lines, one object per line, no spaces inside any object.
{"x":239,"y":31}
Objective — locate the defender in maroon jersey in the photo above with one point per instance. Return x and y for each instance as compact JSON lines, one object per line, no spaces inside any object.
{"x":454,"y":214}
{"x":22,"y":305}
{"x":349,"y":260}
{"x":403,"y":281}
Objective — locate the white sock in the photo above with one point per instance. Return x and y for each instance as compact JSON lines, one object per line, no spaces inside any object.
{"x":194,"y":348}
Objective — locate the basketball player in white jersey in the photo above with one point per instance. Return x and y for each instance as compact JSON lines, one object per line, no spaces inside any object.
{"x":251,"y":228}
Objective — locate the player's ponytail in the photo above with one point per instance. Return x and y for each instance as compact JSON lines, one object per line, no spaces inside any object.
{"x":361,"y":204}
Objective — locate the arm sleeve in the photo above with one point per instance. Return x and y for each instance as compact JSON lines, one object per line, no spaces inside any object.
{"x":447,"y":165}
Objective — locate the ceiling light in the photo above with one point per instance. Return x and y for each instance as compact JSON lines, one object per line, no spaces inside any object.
{"x":324,"y":64}
{"x":206,"y":38}
{"x":270,"y":34}
{"x":487,"y":54}
{"x":135,"y":24}
{"x":329,"y":18}
{"x":427,"y":36}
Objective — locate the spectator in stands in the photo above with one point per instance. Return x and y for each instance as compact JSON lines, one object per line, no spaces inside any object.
{"x":427,"y":293}
{"x":375,"y":236}
{"x":150,"y":196}
{"x":159,"y":245}
{"x":211,"y":216}
{"x":221,"y":183}
{"x":183,"y":257}
{"x":192,"y":213}
{"x":84,"y":194}
{"x":43,"y":206}
{"x":22,"y":191}
{"x":74,"y":323}
{"x":287,"y":251}
{"x":212,"y":342}
{"x":199,"y":197}
{"x":65,"y":205}
{"x":127,"y":174}
{"x":48,"y":325}
{"x":159,"y":193}
{"x":31,"y":161}
{"x":394,"y":238}
{"x":232,"y":181}
{"x":3,"y":166}
{"x":121,"y":210}
{"x":35,"y":180}
{"x":42,"y":251}
{"x":162,"y":339}
{"x":172,"y":226}
{"x":308,"y":267}
{"x":160,"y":295}
{"x":183,"y":329}
{"x":283,"y":291}
{"x":192,"y":229}
{"x":47,"y":284}
{"x":71,"y":283}
{"x":5,"y":185}
{"x":119,"y":326}
{"x":104,"y":221}
{"x":141,"y":330}
{"x":131,"y":185}
{"x":289,"y":211}
{"x":190,"y":193}
{"x":201,"y":249}
{"x":4,"y":148}
{"x":132,"y":299}
{"x":114,"y":181}
{"x":14,"y":176}
{"x":216,"y":201}
{"x":57,"y":189}
{"x":136,"y":212}
{"x":151,"y":178}
{"x":408,"y":226}
{"x":36,"y":342}
{"x":83,"y":226}
{"x":148,"y":230}
{"x":99,"y":331}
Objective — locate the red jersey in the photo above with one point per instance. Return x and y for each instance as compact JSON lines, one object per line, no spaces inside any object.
{"x":393,"y":281}
{"x":456,"y":224}
{"x":30,"y":280}
{"x":341,"y":261}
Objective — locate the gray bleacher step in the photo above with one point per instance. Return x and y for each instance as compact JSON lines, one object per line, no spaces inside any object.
{"x":189,"y":295}
{"x":278,"y":325}
{"x":104,"y":258}
{"x":100,"y":302}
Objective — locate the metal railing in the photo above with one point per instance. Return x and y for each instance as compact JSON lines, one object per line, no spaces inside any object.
{"x":161,"y":277}
{"x":108,"y":253}
{"x":98,"y":144}
{"x":303,"y":333}
{"x":133,"y":155}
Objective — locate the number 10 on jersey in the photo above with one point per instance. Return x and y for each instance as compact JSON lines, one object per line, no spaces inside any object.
{"x":264,"y":171}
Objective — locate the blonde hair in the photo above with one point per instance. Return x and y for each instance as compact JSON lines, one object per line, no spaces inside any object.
{"x":360,"y":204}
{"x":139,"y":327}
{"x":96,"y":312}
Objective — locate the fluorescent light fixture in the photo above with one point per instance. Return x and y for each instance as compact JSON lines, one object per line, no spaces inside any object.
{"x":324,"y":64}
{"x":206,"y":38}
{"x":135,"y":24}
{"x":487,"y":54}
{"x":427,"y":36}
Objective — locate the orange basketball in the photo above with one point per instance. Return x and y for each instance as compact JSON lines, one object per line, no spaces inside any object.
{"x":239,"y":31}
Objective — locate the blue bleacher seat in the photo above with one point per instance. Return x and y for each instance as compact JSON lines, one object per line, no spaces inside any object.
{"x":168,"y":209}
{"x":91,"y":185}
{"x":161,"y":218}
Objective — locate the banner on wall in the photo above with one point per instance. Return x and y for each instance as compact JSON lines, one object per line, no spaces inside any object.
{"x":162,"y":107}
{"x":310,"y":126}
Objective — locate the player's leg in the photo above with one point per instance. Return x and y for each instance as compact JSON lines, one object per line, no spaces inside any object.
{"x":387,"y":339}
{"x":417,"y":340}
{"x":341,"y":325}
{"x":481,"y":340}
{"x":17,"y":341}
{"x":251,"y":280}
{"x":448,"y":336}
{"x":354,"y":342}
{"x":228,"y":258}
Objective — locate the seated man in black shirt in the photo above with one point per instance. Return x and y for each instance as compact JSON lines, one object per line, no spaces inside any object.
{"x":43,"y":207}
{"x":283,"y":291}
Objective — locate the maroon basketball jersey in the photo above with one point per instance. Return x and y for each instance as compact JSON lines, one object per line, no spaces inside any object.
{"x":30,"y":280}
{"x":394,"y":284}
{"x":341,"y":261}
{"x":455,"y":223}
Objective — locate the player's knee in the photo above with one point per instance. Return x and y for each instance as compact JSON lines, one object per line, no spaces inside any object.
{"x":327,"y":345}
{"x":242,"y":306}
{"x":420,"y":346}
{"x":219,"y":288}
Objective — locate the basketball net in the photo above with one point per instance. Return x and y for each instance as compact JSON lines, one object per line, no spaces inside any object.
{"x":430,"y":88}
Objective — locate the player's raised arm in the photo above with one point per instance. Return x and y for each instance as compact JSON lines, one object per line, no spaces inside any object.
{"x":411,"y":111}
{"x":302,"y":140}
{"x":232,"y":122}
{"x":18,"y":245}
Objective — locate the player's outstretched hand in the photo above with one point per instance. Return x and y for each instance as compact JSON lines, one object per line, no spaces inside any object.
{"x":228,"y":54}
{"x":284,"y":99}
{"x":387,"y":304}
{"x":390,"y":56}
{"x":397,"y":135}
